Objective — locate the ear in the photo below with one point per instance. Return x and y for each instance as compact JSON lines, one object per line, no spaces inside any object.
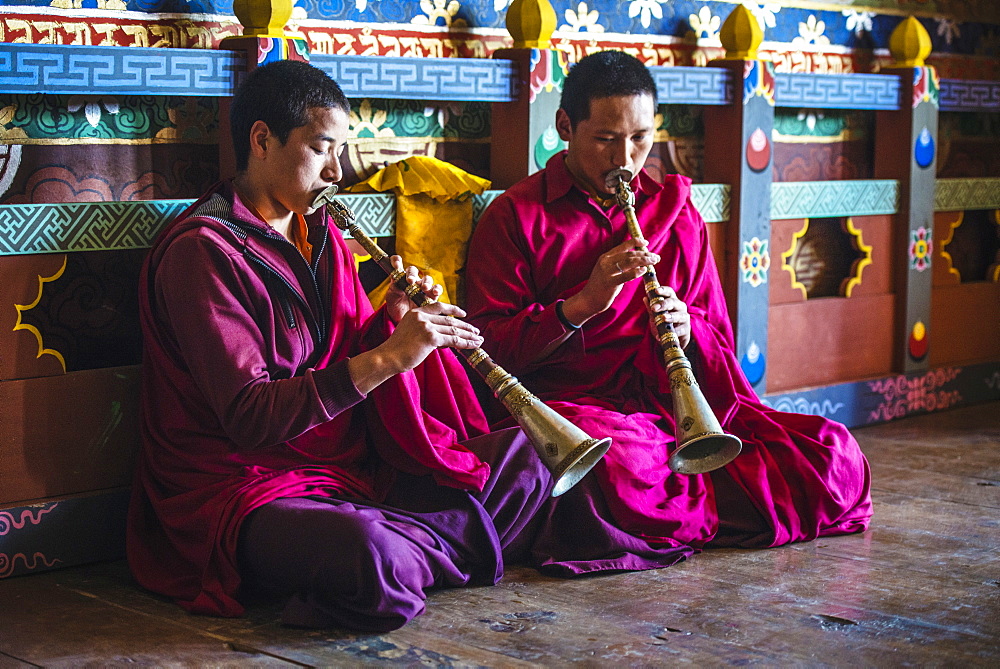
{"x":563,"y":125}
{"x":259,"y":134}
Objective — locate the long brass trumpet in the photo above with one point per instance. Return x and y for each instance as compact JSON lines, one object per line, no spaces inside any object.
{"x":567,"y":451}
{"x":702,"y":446}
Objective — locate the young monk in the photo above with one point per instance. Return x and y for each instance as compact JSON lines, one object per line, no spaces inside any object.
{"x":560,"y":306}
{"x":294,"y":441}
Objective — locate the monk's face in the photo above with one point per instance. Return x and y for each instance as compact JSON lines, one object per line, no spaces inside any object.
{"x":293,"y":173}
{"x":618,"y":133}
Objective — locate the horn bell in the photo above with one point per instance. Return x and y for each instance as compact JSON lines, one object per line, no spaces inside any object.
{"x":702,"y":445}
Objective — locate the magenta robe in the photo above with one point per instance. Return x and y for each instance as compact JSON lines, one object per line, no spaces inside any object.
{"x":536,"y":245}
{"x":240,"y":406}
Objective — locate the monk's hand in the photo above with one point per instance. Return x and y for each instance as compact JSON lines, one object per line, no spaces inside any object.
{"x":422,"y":330}
{"x":623,"y":263}
{"x":675,"y":311}
{"x":397,"y":303}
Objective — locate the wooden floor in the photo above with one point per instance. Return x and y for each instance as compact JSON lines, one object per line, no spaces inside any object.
{"x":921,"y":587}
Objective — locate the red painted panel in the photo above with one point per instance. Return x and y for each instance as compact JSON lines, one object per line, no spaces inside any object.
{"x":965,"y":323}
{"x":68,"y":434}
{"x":829,"y":340}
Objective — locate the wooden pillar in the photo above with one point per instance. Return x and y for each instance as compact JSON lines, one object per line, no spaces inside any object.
{"x":906,"y":150}
{"x":263,"y":41}
{"x":743,"y":129}
{"x":524,"y":131}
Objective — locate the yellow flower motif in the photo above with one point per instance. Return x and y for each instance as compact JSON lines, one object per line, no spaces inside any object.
{"x":6,"y":116}
{"x":372,"y":122}
{"x":190,"y":120}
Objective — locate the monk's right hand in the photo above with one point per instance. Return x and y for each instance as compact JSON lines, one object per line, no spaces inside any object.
{"x":420,"y":331}
{"x":613,"y":269}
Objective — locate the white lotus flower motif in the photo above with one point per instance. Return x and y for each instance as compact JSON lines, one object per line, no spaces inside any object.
{"x":582,"y":19}
{"x":91,"y":105}
{"x":704,"y":24}
{"x":444,"y":112}
{"x":810,"y":117}
{"x":948,"y":29}
{"x":811,"y":32}
{"x":644,"y":9}
{"x":439,"y":9}
{"x":858,"y":21}
{"x":764,"y":13}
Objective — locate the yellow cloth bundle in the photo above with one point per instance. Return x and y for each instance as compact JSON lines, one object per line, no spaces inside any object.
{"x":433,"y":217}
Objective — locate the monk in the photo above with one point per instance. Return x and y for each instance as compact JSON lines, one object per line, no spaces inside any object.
{"x":297,"y":444}
{"x":553,"y":284}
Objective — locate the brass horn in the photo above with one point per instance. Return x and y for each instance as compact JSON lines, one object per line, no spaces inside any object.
{"x":702,"y":445}
{"x":567,"y":451}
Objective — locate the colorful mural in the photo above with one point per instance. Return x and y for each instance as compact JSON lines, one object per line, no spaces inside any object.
{"x":799,"y":35}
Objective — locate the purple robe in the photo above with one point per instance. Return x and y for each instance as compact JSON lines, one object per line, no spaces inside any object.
{"x":798,"y":477}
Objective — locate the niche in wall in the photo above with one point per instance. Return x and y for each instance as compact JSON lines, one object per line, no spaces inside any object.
{"x":972,"y":249}
{"x":827,"y":257}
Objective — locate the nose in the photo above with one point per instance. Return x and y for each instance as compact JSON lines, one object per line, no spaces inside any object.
{"x":332,"y":171}
{"x":620,"y":153}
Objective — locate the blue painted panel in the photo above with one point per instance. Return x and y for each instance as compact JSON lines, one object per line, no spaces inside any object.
{"x":860,"y":403}
{"x":91,"y":70}
{"x":693,"y":85}
{"x":478,"y":79}
{"x":837,"y":91}
{"x":961,"y":95}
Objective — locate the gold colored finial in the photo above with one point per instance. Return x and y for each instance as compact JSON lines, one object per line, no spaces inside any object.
{"x":909,"y":44}
{"x":263,"y":18}
{"x":741,"y":35}
{"x":531,"y":23}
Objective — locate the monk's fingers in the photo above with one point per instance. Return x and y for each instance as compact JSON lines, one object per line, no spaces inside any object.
{"x":435,"y":291}
{"x":638,"y":257}
{"x":396,"y":262}
{"x":449,"y":325}
{"x":443,"y":309}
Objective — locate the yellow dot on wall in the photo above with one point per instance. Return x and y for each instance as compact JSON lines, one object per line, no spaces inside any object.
{"x":919,"y":331}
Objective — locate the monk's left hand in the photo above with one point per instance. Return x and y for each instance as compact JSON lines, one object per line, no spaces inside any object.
{"x":397,"y":303}
{"x":676,"y":312}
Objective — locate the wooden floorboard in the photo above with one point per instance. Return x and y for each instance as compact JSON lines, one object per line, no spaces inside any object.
{"x":921,"y":587}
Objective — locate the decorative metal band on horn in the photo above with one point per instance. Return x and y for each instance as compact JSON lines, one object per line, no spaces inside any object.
{"x":567,"y":451}
{"x":702,"y":446}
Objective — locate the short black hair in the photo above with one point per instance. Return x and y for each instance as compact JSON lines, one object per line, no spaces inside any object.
{"x":605,"y":74}
{"x":280,"y":94}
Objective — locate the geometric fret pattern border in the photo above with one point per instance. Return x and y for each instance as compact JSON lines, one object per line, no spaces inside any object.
{"x":95,"y":70}
{"x":375,"y":213}
{"x":84,"y":226}
{"x":480,"y":202}
{"x":101,"y":226}
{"x":962,"y":95}
{"x":401,"y":78}
{"x":107,"y":226}
{"x":692,"y":85}
{"x":966,"y":194}
{"x":110,"y":70}
{"x":711,"y":201}
{"x":823,"y":199}
{"x":836,"y":91}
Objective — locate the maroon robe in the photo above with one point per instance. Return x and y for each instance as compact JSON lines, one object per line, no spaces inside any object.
{"x":799,"y":476}
{"x":246,"y":397}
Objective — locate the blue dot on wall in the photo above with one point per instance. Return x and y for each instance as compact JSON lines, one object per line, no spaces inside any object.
{"x":923,"y":152}
{"x":753,"y":363}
